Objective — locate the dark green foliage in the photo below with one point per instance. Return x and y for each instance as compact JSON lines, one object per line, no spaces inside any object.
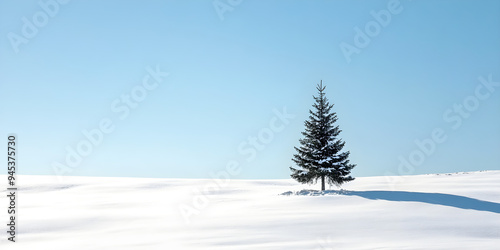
{"x":320,"y":155}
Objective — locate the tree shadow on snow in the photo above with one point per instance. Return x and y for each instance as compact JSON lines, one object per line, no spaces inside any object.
{"x":431,"y":198}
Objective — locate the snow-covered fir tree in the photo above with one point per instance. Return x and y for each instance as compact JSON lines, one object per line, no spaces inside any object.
{"x":320,"y":155}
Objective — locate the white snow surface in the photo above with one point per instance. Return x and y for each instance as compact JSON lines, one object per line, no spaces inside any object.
{"x":446,"y":211}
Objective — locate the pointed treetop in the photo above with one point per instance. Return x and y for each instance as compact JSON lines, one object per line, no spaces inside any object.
{"x":320,"y":86}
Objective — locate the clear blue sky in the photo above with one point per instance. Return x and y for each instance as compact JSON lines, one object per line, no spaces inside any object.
{"x":228,"y":72}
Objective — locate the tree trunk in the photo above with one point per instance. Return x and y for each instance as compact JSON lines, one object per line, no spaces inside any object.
{"x":322,"y":183}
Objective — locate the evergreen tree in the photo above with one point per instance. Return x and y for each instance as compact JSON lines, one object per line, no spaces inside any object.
{"x":320,"y":156}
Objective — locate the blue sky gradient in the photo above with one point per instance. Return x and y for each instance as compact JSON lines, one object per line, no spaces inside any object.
{"x":230,"y":71}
